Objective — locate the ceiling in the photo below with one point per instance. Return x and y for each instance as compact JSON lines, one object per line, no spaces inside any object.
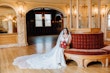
{"x":9,"y":10}
{"x":103,"y":2}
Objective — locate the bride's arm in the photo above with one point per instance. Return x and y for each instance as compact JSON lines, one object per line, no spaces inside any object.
{"x":69,"y":40}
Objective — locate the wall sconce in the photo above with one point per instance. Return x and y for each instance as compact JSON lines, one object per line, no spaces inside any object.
{"x":95,"y":11}
{"x":68,"y":11}
{"x":21,"y":8}
{"x":74,"y":11}
{"x":103,"y":10}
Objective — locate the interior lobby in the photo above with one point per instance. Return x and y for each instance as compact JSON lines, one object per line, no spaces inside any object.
{"x":32,"y":26}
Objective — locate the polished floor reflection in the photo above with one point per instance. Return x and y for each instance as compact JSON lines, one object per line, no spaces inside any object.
{"x":43,"y":43}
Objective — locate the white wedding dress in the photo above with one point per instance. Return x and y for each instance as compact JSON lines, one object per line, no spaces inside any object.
{"x":53,"y":59}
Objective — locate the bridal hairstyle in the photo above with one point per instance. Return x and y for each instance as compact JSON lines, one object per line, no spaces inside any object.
{"x":66,"y":30}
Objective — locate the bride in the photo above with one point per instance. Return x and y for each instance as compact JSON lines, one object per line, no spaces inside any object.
{"x":53,"y":59}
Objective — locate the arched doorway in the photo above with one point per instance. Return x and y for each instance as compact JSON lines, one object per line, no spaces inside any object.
{"x":8,"y":22}
{"x":44,"y":21}
{"x":8,"y":26}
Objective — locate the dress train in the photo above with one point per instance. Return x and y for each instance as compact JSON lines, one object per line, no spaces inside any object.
{"x":53,"y":59}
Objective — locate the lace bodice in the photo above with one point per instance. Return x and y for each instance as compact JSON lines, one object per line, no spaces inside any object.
{"x":64,"y":39}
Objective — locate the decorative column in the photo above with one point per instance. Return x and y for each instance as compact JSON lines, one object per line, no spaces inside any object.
{"x":104,"y":20}
{"x":21,"y":25}
{"x":77,"y":15}
{"x":89,"y":12}
{"x":99,"y":3}
{"x":10,"y":26}
{"x":106,"y":26}
{"x":71,"y":15}
{"x":65,"y":21}
{"x":25,"y":30}
{"x":21,"y":29}
{"x":67,"y":17}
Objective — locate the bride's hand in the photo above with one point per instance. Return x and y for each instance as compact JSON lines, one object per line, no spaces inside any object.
{"x":68,"y":44}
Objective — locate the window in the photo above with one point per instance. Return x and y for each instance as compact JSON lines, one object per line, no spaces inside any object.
{"x":38,"y":20}
{"x":47,"y":19}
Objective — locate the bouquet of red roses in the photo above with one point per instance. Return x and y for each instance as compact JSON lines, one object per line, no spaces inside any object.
{"x":63,"y":44}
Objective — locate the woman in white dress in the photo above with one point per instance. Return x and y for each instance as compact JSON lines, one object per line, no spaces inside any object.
{"x":53,"y":59}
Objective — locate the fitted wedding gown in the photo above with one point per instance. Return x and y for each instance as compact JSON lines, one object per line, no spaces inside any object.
{"x":53,"y":59}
